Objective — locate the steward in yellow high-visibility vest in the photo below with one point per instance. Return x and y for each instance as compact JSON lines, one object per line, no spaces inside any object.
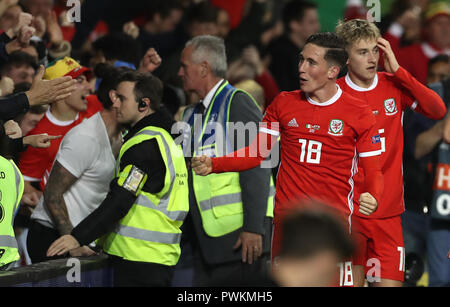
{"x":139,"y":221}
{"x":230,"y":213}
{"x":11,"y":189}
{"x":219,"y":195}
{"x":135,"y":238}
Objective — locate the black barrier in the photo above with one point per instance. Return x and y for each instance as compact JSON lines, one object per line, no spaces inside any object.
{"x":69,"y":272}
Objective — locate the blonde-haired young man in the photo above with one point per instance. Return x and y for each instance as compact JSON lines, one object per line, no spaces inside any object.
{"x":381,"y":252}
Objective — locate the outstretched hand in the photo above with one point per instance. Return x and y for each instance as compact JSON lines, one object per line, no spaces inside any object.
{"x":49,"y":91}
{"x":40,"y":140}
{"x":202,"y":165}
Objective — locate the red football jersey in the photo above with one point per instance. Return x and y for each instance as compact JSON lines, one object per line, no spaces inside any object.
{"x":388,"y":102}
{"x":320,"y":147}
{"x":36,"y":163}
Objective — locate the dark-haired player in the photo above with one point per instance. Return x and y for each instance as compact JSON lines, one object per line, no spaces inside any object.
{"x":324,"y":133}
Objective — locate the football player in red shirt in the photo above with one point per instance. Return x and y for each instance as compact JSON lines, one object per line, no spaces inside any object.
{"x":324,"y":133}
{"x":380,"y":241}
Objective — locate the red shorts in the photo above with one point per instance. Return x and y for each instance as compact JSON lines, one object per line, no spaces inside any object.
{"x":380,"y":248}
{"x":344,"y":272}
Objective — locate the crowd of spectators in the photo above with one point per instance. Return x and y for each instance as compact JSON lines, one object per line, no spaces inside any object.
{"x":263,"y":39}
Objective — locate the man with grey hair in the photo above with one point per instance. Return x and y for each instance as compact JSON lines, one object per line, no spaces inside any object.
{"x":230,"y":214}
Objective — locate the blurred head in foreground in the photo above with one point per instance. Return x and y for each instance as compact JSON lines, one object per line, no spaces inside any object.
{"x":314,"y":242}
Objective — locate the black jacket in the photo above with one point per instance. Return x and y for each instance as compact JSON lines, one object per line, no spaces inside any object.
{"x":284,"y":63}
{"x":147,"y":157}
{"x":10,"y":107}
{"x":13,"y":105}
{"x":10,"y":148}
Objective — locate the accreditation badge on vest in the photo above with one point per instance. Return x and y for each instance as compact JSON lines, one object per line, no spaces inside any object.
{"x":440,"y":206}
{"x":134,"y":179}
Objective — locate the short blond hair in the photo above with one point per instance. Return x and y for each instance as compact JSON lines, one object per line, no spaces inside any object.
{"x":354,"y":30}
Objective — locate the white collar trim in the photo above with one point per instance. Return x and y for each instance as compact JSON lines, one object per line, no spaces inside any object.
{"x":326,"y":103}
{"x":430,"y":52}
{"x":207,"y":100}
{"x":58,"y":122}
{"x":359,"y":88}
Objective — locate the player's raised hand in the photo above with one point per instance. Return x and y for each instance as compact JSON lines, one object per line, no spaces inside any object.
{"x":390,"y":62}
{"x":367,"y":204}
{"x":201,"y":165}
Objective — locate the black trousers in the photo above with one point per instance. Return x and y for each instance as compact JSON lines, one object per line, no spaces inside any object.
{"x":39,"y":240}
{"x":139,"y":274}
{"x":231,"y":274}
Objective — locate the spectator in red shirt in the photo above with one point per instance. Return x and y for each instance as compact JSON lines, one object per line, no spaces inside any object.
{"x":415,"y":57}
{"x":34,"y":163}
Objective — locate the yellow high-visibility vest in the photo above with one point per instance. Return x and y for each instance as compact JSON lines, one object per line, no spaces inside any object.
{"x":219,"y":197}
{"x":11,"y":190}
{"x":150,"y":232}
